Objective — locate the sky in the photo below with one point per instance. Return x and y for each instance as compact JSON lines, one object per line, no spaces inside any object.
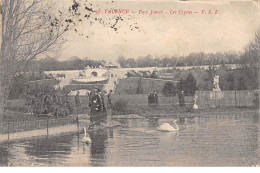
{"x":231,"y":29}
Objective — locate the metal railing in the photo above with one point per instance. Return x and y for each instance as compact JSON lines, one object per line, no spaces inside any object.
{"x":21,"y":126}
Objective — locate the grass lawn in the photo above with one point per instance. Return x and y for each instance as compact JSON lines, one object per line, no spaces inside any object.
{"x":14,"y":116}
{"x":161,"y":111}
{"x":16,"y":111}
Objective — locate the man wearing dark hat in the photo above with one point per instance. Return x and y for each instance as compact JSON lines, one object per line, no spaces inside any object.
{"x":103,"y":114}
{"x":96,"y":106}
{"x":102,"y":95}
{"x":155,"y":97}
{"x":182,"y":100}
{"x":109,"y":99}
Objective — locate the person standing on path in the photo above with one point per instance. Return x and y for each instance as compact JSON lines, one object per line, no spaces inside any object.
{"x":155,"y":97}
{"x":103,"y":113}
{"x":182,"y":100}
{"x":96,"y":108}
{"x":150,"y":98}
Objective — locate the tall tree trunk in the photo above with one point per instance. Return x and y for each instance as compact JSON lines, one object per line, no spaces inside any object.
{"x":1,"y":72}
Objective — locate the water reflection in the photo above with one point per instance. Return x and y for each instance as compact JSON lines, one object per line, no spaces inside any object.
{"x":153,"y":122}
{"x":98,"y":147}
{"x":4,"y":154}
{"x":49,"y":147}
{"x":190,"y":120}
{"x":182,"y":121}
{"x":110,"y":132}
{"x":256,"y":118}
{"x":221,"y":140}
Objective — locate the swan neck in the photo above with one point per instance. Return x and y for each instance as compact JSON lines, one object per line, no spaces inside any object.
{"x":85,"y":133}
{"x":177,"y":127}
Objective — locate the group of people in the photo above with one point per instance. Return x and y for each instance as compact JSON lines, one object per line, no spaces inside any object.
{"x":98,"y":110}
{"x":153,"y":98}
{"x":98,"y":107}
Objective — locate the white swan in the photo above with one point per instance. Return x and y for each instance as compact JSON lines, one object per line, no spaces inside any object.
{"x":85,"y":139}
{"x":169,"y":128}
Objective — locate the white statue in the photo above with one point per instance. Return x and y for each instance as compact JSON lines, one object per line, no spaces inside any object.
{"x":216,"y":83}
{"x":195,"y":106}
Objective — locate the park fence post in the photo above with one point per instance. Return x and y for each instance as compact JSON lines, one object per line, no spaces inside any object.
{"x":78,"y":120}
{"x":47,"y":126}
{"x":8,"y":129}
{"x":235,"y":98}
{"x":13,"y":126}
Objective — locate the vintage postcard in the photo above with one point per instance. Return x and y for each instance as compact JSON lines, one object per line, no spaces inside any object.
{"x":128,"y":83}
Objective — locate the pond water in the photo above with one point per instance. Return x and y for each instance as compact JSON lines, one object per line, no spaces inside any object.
{"x":214,"y":140}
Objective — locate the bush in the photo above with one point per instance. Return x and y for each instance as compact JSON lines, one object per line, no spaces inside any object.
{"x":120,"y":106}
{"x":181,"y":86}
{"x":191,"y":85}
{"x":154,"y":75}
{"x":43,"y":99}
{"x":169,"y":89}
{"x":18,"y":87}
{"x":140,"y":89}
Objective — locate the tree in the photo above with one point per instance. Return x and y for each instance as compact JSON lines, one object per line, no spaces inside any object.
{"x":44,"y":99}
{"x":211,"y":71}
{"x":169,"y":89}
{"x":18,"y":87}
{"x":191,"y":85}
{"x":181,"y":86}
{"x":140,"y":89}
{"x":231,"y":81}
{"x":154,"y":75}
{"x":28,"y":29}
{"x":252,"y":53}
{"x":95,"y":74}
{"x":128,"y":74}
{"x":241,"y":83}
{"x":122,"y":61}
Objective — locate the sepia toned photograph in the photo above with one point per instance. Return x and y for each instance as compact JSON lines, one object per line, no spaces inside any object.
{"x":128,"y":83}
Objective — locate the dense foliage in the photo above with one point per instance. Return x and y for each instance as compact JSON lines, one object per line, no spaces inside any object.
{"x":191,"y":85}
{"x":169,"y":89}
{"x":44,"y":99}
{"x":120,"y":106}
{"x":237,"y":79}
{"x":140,"y":89}
{"x":188,"y":85}
{"x":22,"y":82}
{"x":18,"y":87}
{"x":52,"y":64}
{"x":193,"y":59}
{"x":143,"y":74}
